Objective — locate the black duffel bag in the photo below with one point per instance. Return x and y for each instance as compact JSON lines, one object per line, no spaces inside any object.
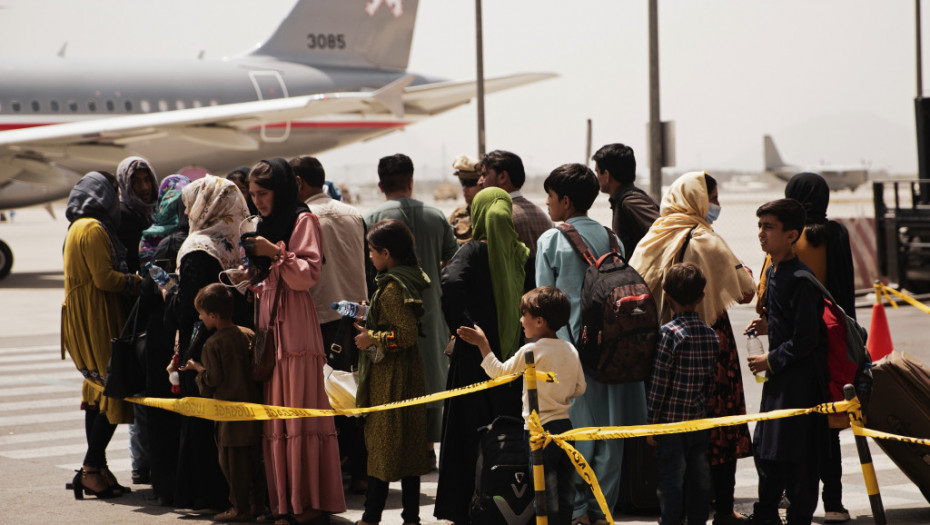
{"x":126,"y":371}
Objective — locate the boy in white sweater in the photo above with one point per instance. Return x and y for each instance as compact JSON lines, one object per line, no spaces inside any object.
{"x":543,"y":311}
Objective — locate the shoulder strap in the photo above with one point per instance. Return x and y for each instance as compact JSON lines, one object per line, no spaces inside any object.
{"x":132,"y":321}
{"x":684,"y":247}
{"x":808,"y":276}
{"x":577,"y":243}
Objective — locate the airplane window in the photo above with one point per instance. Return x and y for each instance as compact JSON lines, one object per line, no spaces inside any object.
{"x":128,"y":105}
{"x":35,"y":105}
{"x":162,"y":105}
{"x":16,"y":106}
{"x":145,"y":106}
{"x":91,"y":105}
{"x":179,"y":104}
{"x":196,"y":104}
{"x":54,"y":105}
{"x":72,"y":105}
{"x":110,"y":105}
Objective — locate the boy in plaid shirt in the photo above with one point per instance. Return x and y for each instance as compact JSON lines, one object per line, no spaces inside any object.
{"x":679,"y":388}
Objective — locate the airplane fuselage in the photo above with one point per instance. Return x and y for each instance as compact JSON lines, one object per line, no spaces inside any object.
{"x":836,"y":178}
{"x":57,"y":90}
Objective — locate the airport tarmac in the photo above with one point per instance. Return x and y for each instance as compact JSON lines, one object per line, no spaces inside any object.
{"x":41,"y":429}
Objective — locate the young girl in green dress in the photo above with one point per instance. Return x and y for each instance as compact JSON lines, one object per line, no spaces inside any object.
{"x":390,"y":369}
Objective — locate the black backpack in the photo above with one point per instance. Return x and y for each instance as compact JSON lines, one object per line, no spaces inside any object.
{"x":503,"y":485}
{"x":619,"y":317}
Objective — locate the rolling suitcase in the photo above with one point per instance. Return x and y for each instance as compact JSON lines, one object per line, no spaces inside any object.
{"x":900,"y":404}
{"x":639,"y":479}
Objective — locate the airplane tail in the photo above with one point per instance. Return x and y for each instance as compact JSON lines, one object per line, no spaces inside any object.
{"x":345,"y":33}
{"x":772,"y":158}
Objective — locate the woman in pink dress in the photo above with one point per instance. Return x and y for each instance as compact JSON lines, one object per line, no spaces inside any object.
{"x":301,"y":455}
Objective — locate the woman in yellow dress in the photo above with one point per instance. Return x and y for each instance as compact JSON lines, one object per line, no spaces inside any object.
{"x":96,"y":282}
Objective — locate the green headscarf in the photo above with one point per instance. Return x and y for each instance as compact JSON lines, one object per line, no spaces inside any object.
{"x":492,"y":222}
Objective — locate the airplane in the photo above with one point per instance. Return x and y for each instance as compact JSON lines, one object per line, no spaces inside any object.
{"x":333,"y":73}
{"x":837,"y":177}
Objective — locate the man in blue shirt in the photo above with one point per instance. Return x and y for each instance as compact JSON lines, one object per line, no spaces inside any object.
{"x":571,"y":190}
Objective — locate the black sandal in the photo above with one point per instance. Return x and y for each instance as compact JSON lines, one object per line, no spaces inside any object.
{"x":77,"y":485}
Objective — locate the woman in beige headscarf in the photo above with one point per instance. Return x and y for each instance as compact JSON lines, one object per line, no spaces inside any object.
{"x":683,"y":233}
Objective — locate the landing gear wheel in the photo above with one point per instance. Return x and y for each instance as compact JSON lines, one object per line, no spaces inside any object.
{"x":6,"y":260}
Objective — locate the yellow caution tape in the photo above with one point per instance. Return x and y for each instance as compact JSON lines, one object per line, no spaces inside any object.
{"x":217,"y":410}
{"x":910,"y":300}
{"x":878,"y":434}
{"x":539,"y":438}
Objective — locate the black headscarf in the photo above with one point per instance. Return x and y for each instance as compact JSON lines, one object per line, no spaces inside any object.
{"x":279,"y":225}
{"x":812,"y":191}
{"x":95,"y":197}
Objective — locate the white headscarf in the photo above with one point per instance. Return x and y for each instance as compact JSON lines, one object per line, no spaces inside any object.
{"x":684,"y":207}
{"x":215,"y":210}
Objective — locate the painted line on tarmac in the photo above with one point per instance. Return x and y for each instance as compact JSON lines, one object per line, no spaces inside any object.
{"x":25,"y":367}
{"x":41,"y":389}
{"x":59,"y":450}
{"x":46,"y":418}
{"x":60,"y":402}
{"x":31,"y":349}
{"x":28,"y":358}
{"x":54,"y":435}
{"x":13,"y":379}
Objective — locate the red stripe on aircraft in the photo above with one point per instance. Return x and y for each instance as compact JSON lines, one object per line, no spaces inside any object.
{"x":294,"y":124}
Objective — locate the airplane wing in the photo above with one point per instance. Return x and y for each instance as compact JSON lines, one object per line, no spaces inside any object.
{"x":29,"y":154}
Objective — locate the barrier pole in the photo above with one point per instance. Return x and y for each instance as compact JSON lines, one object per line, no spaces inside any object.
{"x":539,"y":473}
{"x":865,"y":458}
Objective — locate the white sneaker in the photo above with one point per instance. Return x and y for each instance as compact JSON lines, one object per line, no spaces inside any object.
{"x":836,"y":516}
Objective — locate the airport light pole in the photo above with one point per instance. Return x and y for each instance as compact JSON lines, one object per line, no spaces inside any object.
{"x":479,"y":49}
{"x":655,"y":123}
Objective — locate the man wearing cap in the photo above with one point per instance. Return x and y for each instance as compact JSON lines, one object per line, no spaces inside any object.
{"x":466,"y":169}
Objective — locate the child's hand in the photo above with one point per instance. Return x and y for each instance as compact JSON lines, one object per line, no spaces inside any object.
{"x":651,"y":440}
{"x":362,"y":341}
{"x":760,"y":325}
{"x":475,"y":336}
{"x":758,"y":363}
{"x":192,"y":365}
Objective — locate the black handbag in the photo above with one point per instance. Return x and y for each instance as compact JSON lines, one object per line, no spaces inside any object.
{"x":125,"y":371}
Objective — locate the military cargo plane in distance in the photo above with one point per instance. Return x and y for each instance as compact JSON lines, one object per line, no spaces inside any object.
{"x":837,"y":177}
{"x":333,"y":73}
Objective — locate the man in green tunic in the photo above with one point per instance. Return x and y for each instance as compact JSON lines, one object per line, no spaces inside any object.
{"x":435,"y":245}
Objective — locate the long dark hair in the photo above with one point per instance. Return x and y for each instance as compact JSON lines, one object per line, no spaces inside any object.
{"x":395,"y":237}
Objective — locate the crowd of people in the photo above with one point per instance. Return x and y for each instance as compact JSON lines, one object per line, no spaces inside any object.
{"x":258,"y":259}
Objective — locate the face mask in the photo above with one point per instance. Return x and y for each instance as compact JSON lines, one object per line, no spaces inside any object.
{"x":713,"y":213}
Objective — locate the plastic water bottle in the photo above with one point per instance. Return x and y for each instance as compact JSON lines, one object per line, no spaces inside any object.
{"x":161,"y":277}
{"x":351,"y":309}
{"x":174,"y":377}
{"x":754,"y":347}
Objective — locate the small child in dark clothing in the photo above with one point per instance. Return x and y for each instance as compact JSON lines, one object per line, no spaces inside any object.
{"x":680,"y":385}
{"x":226,"y":374}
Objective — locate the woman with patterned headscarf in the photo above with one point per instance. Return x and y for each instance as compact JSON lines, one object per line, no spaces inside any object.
{"x":301,"y":455}
{"x":216,"y":211}
{"x":683,"y":233}
{"x":96,"y":283}
{"x":166,"y":216}
{"x":137,"y":194}
{"x":481,"y":285}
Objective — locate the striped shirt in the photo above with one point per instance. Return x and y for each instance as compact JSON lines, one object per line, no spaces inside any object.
{"x":683,"y":370}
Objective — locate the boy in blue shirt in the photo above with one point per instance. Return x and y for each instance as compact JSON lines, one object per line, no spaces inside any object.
{"x":679,"y":388}
{"x":572,"y":189}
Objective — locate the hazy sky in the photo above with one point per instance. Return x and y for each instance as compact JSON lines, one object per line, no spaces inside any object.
{"x":831,"y":80}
